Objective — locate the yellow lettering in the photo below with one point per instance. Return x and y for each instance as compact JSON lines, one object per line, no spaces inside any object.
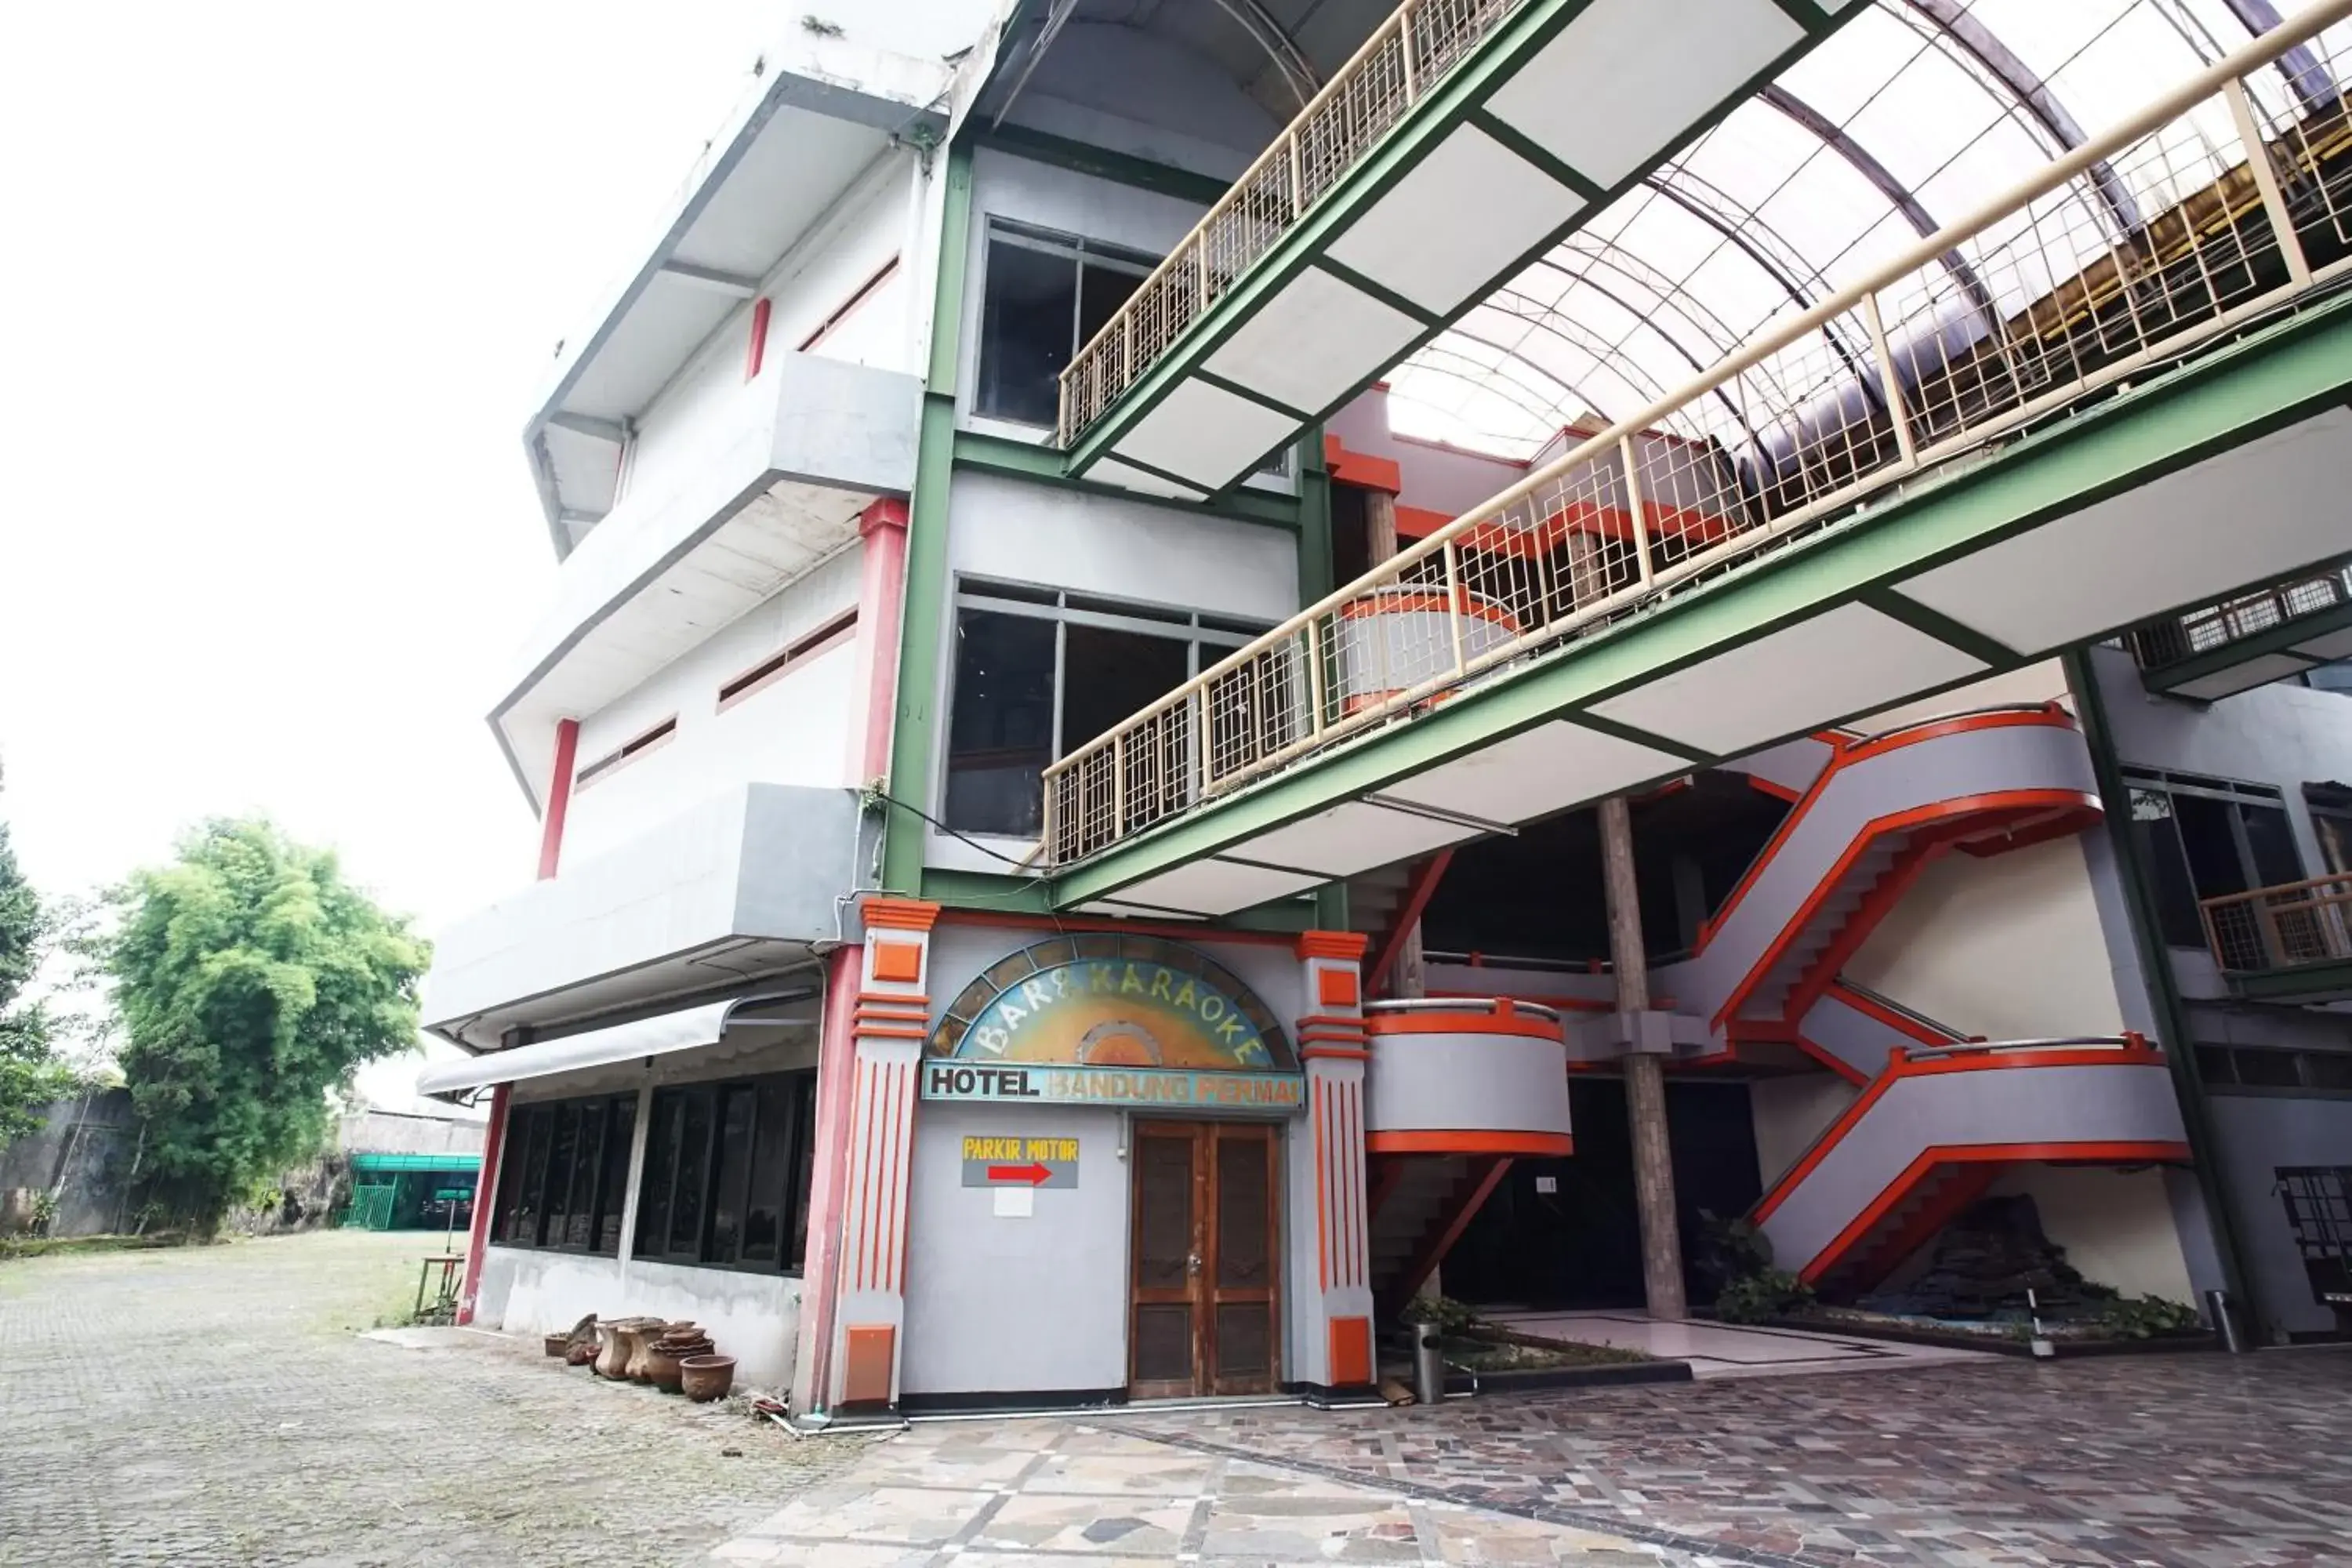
{"x":1160,"y":979}
{"x":1131,"y":981}
{"x":1188,"y":997}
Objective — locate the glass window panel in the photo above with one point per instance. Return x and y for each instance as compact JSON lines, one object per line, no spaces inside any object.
{"x":2268,"y":1069}
{"x":772,"y":1171}
{"x":579,"y":1211}
{"x":2160,"y":852}
{"x":804,"y":1166}
{"x":2330,"y":1069}
{"x":730,"y":1167}
{"x":1101,"y":292}
{"x":530,"y":1207}
{"x":1028,"y":316}
{"x":688,"y":1203}
{"x":519,"y":1122}
{"x":2215,"y":1064}
{"x":1110,"y":677}
{"x":2276,"y":858}
{"x":661,"y":1163}
{"x":1000,"y":730}
{"x":620,"y":1133}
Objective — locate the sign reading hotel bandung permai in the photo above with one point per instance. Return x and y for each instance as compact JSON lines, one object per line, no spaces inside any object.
{"x":1126,"y":1031}
{"x":1049,"y":1162}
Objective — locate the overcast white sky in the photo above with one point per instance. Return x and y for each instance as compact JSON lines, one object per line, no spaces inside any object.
{"x":280,"y":286}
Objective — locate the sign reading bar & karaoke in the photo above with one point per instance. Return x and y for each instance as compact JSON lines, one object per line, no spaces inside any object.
{"x":1133,"y":1022}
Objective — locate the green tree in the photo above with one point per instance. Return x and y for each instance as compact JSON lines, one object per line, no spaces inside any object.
{"x":30,"y":1074}
{"x":250,"y":978}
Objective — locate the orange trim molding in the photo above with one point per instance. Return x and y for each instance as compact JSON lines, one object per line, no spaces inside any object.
{"x":1504,"y":1020}
{"x":1337,"y":988}
{"x":1469,"y":1141}
{"x":1361,"y":469}
{"x":1346,"y":945}
{"x":901,"y":914}
{"x":1352,"y":1353}
{"x":869,"y":1350}
{"x":1319,"y":1052}
{"x":896,"y":959}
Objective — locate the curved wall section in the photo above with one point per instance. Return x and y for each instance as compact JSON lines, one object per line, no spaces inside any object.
{"x":1466,"y":1076}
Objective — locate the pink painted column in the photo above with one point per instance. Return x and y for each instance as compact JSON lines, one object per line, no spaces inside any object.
{"x":836,"y":1077}
{"x":1333,"y":1306}
{"x":558,"y":796}
{"x":486,"y":1194}
{"x":881,"y":592}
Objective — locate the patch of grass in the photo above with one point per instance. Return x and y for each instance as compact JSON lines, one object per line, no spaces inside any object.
{"x":15,"y":1246}
{"x":1524,"y":1355}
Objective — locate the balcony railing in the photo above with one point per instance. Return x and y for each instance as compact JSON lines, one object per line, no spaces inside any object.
{"x":1766,"y":448}
{"x":2281,"y":927}
{"x":1397,"y":66}
{"x":2176,"y":637}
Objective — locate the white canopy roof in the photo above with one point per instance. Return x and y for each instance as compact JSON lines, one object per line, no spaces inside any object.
{"x":683,"y":1030}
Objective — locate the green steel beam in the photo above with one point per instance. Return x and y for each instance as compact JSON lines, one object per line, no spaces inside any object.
{"x":2260,"y":383}
{"x":1462,"y":95}
{"x":1316,"y":579}
{"x":2280,"y":638}
{"x":923,"y":623}
{"x":1043,"y":465}
{"x":1121,"y":168}
{"x":2174,"y":1030}
{"x":2301,"y":983}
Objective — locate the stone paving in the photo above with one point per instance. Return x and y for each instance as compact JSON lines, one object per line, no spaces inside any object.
{"x":991,"y":1494}
{"x":212,"y":1406}
{"x":2181,"y":1460}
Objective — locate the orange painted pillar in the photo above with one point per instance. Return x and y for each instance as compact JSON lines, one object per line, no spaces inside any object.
{"x":1332,"y":1312}
{"x":887,"y":1028}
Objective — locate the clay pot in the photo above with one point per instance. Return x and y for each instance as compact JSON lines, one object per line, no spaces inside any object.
{"x":613,"y":1347}
{"x":556,"y":1344}
{"x":579,"y":1352}
{"x":641,"y":1343}
{"x":703,"y":1378}
{"x":663,"y":1363}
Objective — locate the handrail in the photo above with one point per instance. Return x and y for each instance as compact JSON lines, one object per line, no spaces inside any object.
{"x":2208,"y":628}
{"x":1313,"y":679}
{"x":1501,"y":1006}
{"x":1391,"y":71}
{"x":2278,"y":927}
{"x":2129,"y":1040}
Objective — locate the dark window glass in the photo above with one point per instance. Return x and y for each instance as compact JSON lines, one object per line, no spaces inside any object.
{"x":531,"y":1205}
{"x":2327,"y":1069}
{"x":2268,"y":1069}
{"x":561,"y":1145}
{"x":661,"y":1175}
{"x":580,"y":1214}
{"x":803,"y":1168}
{"x":612,"y":1199}
{"x":2159,"y":846}
{"x":688,"y":1201}
{"x":2215,"y":1064}
{"x":737,"y":1163}
{"x":729,"y":1176}
{"x":1001,"y":733}
{"x":772,"y":1147}
{"x":511,"y":1164}
{"x":1101,"y":292}
{"x":2276,"y":859}
{"x":2209,"y":837}
{"x":1028,"y":324}
{"x":1108,"y":677}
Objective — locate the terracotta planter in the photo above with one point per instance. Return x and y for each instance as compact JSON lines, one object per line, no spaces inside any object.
{"x":641,"y":1338}
{"x":703,"y":1378}
{"x":663,"y":1361}
{"x":612,"y":1352}
{"x":580,"y":1352}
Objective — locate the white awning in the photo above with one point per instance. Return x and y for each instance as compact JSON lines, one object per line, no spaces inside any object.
{"x":683,"y":1030}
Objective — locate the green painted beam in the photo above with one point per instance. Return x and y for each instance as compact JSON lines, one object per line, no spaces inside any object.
{"x":1460,"y":95}
{"x":2280,"y":638}
{"x":1043,"y":465}
{"x":923,"y":616}
{"x":2231,"y":395}
{"x":2302,"y":984}
{"x":1121,"y":168}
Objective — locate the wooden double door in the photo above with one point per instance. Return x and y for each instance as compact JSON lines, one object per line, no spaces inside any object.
{"x":1205,"y":1314}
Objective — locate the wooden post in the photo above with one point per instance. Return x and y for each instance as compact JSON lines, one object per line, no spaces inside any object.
{"x":1645,"y":1078}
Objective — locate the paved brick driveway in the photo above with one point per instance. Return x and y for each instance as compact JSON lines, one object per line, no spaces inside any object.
{"x":212,"y":1406}
{"x":2177,"y":1460}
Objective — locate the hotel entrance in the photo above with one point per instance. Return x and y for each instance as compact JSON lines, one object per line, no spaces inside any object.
{"x":1203,"y":1307}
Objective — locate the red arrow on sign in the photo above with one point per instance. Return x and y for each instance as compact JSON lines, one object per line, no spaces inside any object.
{"x":1033,"y":1173}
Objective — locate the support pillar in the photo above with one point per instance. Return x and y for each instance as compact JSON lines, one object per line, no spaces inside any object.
{"x":1331,"y":1299}
{"x":1645,"y":1077}
{"x":881,"y":594}
{"x":862,"y":1346}
{"x":486,"y":1195}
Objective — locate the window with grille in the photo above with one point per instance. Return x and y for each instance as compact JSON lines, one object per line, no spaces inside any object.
{"x":564,"y":1177}
{"x":727,"y":1174}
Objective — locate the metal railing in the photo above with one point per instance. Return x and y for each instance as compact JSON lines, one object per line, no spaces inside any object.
{"x":2276,"y":928}
{"x":1500,"y":1006}
{"x":2203,"y":630}
{"x":1397,"y":66}
{"x":2128,"y":1041}
{"x":1769,"y":445}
